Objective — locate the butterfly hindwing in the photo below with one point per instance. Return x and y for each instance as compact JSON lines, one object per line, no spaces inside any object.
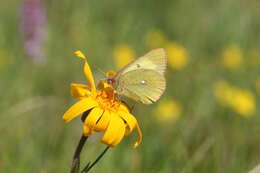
{"x":142,"y":85}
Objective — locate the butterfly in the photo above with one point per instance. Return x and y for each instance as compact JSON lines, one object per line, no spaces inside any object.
{"x":142,"y":79}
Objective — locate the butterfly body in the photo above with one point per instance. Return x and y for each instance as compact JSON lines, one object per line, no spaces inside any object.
{"x":143,"y":79}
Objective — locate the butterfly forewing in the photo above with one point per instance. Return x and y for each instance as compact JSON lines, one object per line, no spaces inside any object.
{"x":153,"y":60}
{"x":143,"y":85}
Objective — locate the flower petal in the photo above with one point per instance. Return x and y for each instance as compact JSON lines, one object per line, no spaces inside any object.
{"x":115,"y":131}
{"x":89,"y":76}
{"x":130,"y":121}
{"x":87,"y":70}
{"x":79,"y":90}
{"x":140,"y":136}
{"x":87,"y":131}
{"x":78,"y":108}
{"x":124,"y":107}
{"x":93,"y":117}
{"x":103,"y":123}
{"x":80,"y":54}
{"x":131,"y":124}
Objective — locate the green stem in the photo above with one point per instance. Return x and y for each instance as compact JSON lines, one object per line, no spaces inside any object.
{"x":87,"y":167}
{"x":76,"y":158}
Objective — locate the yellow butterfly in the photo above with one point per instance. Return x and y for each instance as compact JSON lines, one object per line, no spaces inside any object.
{"x":143,"y":79}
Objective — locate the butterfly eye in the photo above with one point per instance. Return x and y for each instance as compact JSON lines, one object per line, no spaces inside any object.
{"x":110,"y":80}
{"x":138,"y":65}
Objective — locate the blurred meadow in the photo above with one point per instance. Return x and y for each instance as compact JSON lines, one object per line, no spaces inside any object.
{"x":207,"y":121}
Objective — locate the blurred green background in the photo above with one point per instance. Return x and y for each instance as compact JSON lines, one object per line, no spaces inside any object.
{"x":207,"y":121}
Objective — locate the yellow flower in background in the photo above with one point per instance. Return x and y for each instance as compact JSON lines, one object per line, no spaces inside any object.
{"x":254,"y":57}
{"x":155,"y":39}
{"x":232,"y":57}
{"x":106,"y":113}
{"x":123,"y":54}
{"x":239,"y":100}
{"x":243,"y":102}
{"x":168,"y":110}
{"x":177,"y":55}
{"x":258,"y":84}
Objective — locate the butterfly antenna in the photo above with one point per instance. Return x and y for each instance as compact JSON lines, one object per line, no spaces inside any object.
{"x":101,"y":71}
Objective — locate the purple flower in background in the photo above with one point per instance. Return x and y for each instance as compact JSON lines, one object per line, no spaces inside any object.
{"x":33,"y":28}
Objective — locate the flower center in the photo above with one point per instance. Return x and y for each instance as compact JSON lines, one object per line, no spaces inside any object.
{"x":107,"y":100}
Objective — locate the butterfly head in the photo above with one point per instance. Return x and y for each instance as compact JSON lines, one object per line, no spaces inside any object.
{"x":111,"y":81}
{"x":111,"y":78}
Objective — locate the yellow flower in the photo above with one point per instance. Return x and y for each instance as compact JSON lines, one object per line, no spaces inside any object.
{"x":232,"y":57}
{"x":177,"y":55}
{"x":155,"y":39}
{"x":254,"y":57}
{"x":243,"y":102}
{"x":123,"y":54}
{"x":168,"y":110}
{"x":258,"y":84}
{"x":239,"y":100}
{"x":106,"y":113}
